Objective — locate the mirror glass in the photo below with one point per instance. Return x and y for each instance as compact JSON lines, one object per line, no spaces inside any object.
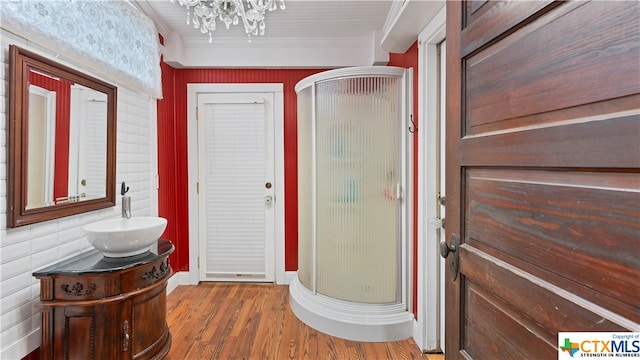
{"x":67,"y":148}
{"x":61,"y":140}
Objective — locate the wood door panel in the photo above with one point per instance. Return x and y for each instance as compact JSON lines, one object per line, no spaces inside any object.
{"x":599,"y":111}
{"x":533,"y":300}
{"x":84,"y":338}
{"x":559,"y":221}
{"x":148,"y":331}
{"x":491,"y":327}
{"x":484,"y":21}
{"x":514,"y":77}
{"x":510,"y":314}
{"x":475,"y":5}
{"x":82,"y":342}
{"x":583,"y":143}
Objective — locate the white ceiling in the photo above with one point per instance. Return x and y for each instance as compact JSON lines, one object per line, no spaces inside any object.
{"x":308,"y":33}
{"x":306,"y":19}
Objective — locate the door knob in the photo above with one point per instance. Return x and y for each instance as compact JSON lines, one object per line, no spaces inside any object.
{"x":446,"y":249}
{"x":452,"y":249}
{"x":268,"y":199}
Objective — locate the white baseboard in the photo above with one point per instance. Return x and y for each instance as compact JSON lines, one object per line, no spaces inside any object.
{"x":288,"y":276}
{"x":185,"y":278}
{"x":424,"y":346}
{"x":23,"y":346}
{"x":418,"y":335}
{"x":179,"y":278}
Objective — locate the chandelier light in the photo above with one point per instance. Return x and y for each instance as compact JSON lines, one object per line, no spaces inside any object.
{"x":229,"y":12}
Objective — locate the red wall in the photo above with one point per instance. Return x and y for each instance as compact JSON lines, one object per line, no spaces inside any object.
{"x":172,"y":147}
{"x":63,"y":119}
{"x":410,"y":60}
{"x":168,"y":174}
{"x":172,"y":150}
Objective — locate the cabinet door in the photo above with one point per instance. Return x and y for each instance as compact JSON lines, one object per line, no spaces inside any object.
{"x":145,"y":317}
{"x":86,"y":330}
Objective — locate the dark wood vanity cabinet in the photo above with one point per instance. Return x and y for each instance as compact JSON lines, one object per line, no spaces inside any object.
{"x":95,"y":307}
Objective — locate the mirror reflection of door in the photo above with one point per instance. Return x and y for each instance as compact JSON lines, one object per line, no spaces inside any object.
{"x":87,"y":143}
{"x":67,"y":147}
{"x":41,"y":146}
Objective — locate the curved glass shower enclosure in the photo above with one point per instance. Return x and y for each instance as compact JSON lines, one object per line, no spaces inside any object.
{"x":351,"y":255}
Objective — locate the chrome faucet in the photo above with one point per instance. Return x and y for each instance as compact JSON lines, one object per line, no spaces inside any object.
{"x":126,"y":202}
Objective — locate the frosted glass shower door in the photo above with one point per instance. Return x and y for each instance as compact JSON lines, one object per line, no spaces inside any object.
{"x":354,"y":164}
{"x":358,"y":170}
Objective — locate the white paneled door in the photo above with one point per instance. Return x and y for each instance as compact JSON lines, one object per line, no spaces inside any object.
{"x":236,"y":186}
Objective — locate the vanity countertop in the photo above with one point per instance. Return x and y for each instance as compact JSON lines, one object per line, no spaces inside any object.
{"x":94,"y":262}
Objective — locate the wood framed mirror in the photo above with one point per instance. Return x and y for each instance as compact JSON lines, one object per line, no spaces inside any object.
{"x":61,"y":140}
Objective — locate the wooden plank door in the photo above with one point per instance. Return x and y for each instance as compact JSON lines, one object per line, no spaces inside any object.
{"x":543,"y":184}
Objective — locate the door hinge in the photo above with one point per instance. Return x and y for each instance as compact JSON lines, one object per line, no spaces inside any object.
{"x":398,"y":191}
{"x":197,"y":113}
{"x":198,"y":259}
{"x":197,"y":188}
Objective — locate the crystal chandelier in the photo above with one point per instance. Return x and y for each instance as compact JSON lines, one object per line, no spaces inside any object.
{"x":229,"y":12}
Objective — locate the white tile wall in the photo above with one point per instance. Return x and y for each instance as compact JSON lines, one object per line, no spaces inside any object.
{"x":29,"y":248}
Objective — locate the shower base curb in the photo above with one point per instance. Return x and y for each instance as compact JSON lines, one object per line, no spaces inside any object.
{"x":350,"y":320}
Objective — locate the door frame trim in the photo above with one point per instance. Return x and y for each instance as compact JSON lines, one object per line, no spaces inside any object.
{"x":192,"y":155}
{"x":427,"y":332}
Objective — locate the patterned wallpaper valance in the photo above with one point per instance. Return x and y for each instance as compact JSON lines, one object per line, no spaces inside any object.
{"x":108,"y":36}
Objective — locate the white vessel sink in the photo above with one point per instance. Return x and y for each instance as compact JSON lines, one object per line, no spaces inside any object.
{"x":125,"y":237}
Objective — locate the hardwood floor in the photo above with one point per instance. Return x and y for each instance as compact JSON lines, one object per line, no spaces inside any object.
{"x":253,"y":321}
